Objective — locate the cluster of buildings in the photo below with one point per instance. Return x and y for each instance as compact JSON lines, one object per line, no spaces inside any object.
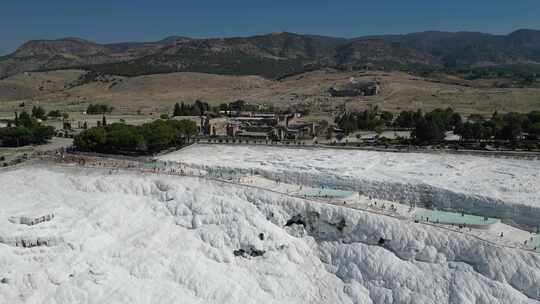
{"x":265,"y":126}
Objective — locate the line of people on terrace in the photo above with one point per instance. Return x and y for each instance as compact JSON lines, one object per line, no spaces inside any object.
{"x":180,"y":169}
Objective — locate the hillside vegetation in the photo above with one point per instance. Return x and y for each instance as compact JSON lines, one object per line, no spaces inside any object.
{"x":159,"y":92}
{"x":281,"y":54}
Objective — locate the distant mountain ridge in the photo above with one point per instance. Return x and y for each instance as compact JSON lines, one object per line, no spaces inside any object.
{"x":278,"y":54}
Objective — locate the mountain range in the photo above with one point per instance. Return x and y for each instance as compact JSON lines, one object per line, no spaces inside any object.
{"x":279,"y":54}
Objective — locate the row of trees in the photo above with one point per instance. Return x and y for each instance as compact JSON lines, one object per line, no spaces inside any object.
{"x":509,"y":127}
{"x":57,"y":114}
{"x":25,"y":130}
{"x":196,"y":109}
{"x":94,"y":109}
{"x":199,"y":108}
{"x":373,"y":119}
{"x":432,"y":126}
{"x":148,"y":138}
{"x":38,"y":112}
{"x":365,"y":120}
{"x":446,"y":118}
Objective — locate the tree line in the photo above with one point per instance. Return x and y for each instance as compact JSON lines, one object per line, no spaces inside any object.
{"x":364,"y":120}
{"x":38,"y":112}
{"x":120,"y":138}
{"x":509,"y":126}
{"x":25,"y":129}
{"x":432,"y":126}
{"x":196,"y":109}
{"x":199,"y":108}
{"x":94,"y":109}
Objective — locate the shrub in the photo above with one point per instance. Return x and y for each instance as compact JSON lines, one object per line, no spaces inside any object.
{"x":55,"y":114}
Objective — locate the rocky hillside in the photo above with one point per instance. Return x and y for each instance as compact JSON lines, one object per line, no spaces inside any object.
{"x":39,"y":55}
{"x":464,"y":49}
{"x":280,"y":54}
{"x":133,"y":238}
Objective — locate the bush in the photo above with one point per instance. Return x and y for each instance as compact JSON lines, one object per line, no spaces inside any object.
{"x":55,"y":114}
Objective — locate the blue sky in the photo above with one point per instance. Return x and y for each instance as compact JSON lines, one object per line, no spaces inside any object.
{"x":136,"y":20}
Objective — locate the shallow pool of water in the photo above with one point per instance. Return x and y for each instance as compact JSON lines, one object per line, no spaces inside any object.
{"x":443,"y":217}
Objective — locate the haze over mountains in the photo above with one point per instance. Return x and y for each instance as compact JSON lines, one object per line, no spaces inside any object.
{"x":280,"y":54}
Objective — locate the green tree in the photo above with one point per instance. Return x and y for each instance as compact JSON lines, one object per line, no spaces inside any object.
{"x":456,"y":121}
{"x":428,"y":131}
{"x":534,"y":130}
{"x":534,"y":117}
{"x":15,"y":137}
{"x":148,"y":138}
{"x":187,"y":128}
{"x":93,"y":139}
{"x":122,"y":137}
{"x":54,"y":114}
{"x":24,"y":120}
{"x":511,"y":131}
{"x":177,"y":110}
{"x":406,"y":119}
{"x":41,"y":134}
{"x":387,"y":117}
{"x":200,"y":107}
{"x":223,"y":107}
{"x":237,"y":105}
{"x":38,"y":113}
{"x":158,"y":135}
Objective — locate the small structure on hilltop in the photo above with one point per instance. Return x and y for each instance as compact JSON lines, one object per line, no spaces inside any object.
{"x":355,"y":88}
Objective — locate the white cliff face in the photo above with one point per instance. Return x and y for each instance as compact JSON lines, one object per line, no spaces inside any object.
{"x":131,"y":238}
{"x":495,"y":187}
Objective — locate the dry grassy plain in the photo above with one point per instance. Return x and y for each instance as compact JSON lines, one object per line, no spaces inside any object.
{"x":158,"y":93}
